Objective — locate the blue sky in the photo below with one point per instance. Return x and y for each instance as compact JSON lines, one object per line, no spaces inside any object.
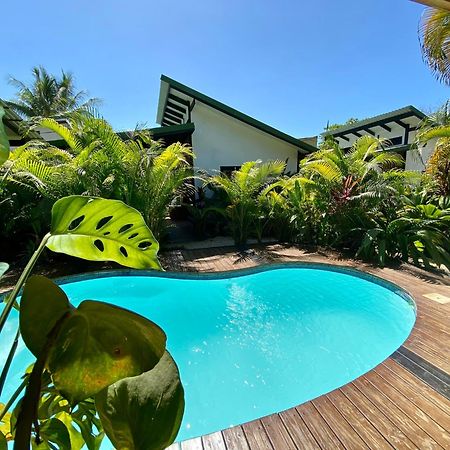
{"x":292,"y":64}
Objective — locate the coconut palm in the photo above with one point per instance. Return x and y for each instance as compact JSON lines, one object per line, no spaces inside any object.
{"x":434,"y":34}
{"x":48,"y":95}
{"x":243,"y":188}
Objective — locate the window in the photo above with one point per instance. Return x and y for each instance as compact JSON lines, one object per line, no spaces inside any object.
{"x":228,"y":170}
{"x":395,"y":141}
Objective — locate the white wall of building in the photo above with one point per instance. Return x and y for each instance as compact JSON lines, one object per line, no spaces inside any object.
{"x":220,"y":140}
{"x":416,"y":160}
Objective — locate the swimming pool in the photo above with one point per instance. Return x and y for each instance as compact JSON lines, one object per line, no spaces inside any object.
{"x":253,"y":342}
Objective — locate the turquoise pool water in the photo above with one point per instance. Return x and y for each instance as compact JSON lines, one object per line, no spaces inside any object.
{"x":253,"y":343}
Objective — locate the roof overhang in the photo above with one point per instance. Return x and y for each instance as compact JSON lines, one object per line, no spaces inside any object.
{"x":16,"y":124}
{"x":400,"y":117}
{"x":163,"y":132}
{"x":177,"y":100}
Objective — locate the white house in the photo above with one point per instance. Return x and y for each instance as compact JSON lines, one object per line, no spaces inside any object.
{"x":399,"y":127}
{"x":221,"y":137}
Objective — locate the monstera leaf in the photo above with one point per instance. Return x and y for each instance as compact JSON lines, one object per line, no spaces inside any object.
{"x":102,"y":230}
{"x":96,"y":344}
{"x":143,"y":412}
{"x":4,"y":142}
{"x":43,"y":304}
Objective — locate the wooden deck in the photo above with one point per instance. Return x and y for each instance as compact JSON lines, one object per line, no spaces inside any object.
{"x":404,"y":403}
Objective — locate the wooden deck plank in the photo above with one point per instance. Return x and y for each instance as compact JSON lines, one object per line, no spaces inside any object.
{"x":256,"y":436}
{"x":378,"y":418}
{"x":213,"y":441}
{"x":298,"y":430}
{"x":192,"y":444}
{"x":235,"y":439}
{"x":347,"y":434}
{"x":424,"y":389}
{"x":425,"y":422}
{"x":412,"y":392}
{"x":370,"y":435}
{"x":396,"y":415}
{"x":277,"y":432}
{"x":318,"y":427}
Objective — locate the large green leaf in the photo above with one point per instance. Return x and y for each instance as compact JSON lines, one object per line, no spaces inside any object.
{"x":96,"y":344}
{"x":54,"y":431}
{"x":3,"y":442}
{"x":102,"y":230}
{"x":100,"y":344}
{"x":43,"y":304}
{"x":3,"y":268}
{"x":4,"y":142}
{"x":143,"y":412}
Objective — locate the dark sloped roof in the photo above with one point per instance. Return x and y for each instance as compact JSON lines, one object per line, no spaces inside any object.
{"x":392,"y":116}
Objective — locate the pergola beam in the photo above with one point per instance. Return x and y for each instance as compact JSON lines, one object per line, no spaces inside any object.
{"x":171,"y":117}
{"x":170,"y":121}
{"x":179,"y":100}
{"x":385,"y":127}
{"x":174,"y":113}
{"x":402,"y":124}
{"x":173,"y":105}
{"x":343,"y":137}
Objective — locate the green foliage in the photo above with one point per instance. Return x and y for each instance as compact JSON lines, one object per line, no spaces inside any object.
{"x":87,"y":349}
{"x":358,"y":200}
{"x":420,"y":234}
{"x":4,"y":142}
{"x":434,"y":35}
{"x":335,"y":126}
{"x":94,"y":162}
{"x":143,"y":412}
{"x":96,"y":345}
{"x":102,"y":230}
{"x":437,"y":126}
{"x":243,"y":189}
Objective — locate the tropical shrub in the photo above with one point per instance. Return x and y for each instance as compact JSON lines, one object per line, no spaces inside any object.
{"x":420,"y":233}
{"x":244,"y":188}
{"x":67,"y":386}
{"x":95,"y":162}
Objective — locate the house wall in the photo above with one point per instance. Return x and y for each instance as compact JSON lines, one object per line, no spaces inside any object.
{"x":416,"y":160}
{"x":220,"y":140}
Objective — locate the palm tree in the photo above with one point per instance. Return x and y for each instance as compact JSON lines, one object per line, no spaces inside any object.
{"x":48,"y":95}
{"x":437,"y":126}
{"x":348,"y":173}
{"x":350,"y":184}
{"x":243,"y":188}
{"x":434,"y":34}
{"x":441,"y":4}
